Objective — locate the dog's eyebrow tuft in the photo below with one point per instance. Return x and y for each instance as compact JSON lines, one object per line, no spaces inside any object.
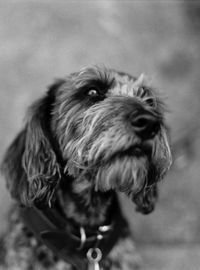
{"x":102,"y":78}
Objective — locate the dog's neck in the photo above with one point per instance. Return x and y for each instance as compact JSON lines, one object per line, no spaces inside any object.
{"x":84,"y":206}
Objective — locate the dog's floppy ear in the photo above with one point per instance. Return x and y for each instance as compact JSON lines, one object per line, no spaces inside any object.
{"x":30,"y":164}
{"x":11,"y":166}
{"x":145,"y":200}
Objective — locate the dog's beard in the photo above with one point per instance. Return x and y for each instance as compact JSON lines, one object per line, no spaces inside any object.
{"x":125,"y":174}
{"x":130,"y":172}
{"x":134,"y":173}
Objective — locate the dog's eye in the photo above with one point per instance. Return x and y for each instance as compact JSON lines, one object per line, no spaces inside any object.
{"x":150,"y":101}
{"x":93,"y":93}
{"x":147,"y":96}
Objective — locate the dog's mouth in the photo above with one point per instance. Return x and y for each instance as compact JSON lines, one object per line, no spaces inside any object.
{"x":136,"y":151}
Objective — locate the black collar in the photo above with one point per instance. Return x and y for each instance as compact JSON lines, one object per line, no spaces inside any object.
{"x":50,"y":227}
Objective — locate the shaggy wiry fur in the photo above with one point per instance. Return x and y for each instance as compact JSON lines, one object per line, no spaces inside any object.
{"x":95,"y":133}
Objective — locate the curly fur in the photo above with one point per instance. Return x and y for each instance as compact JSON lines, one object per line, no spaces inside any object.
{"x":80,"y":149}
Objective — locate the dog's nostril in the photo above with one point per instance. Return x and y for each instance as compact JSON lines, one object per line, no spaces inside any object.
{"x":140,"y":123}
{"x":145,"y":126}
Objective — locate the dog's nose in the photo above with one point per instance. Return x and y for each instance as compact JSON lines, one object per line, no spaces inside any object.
{"x":146,"y":126}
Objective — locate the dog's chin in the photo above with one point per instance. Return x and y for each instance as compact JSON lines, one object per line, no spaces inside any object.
{"x":123,"y":172}
{"x":130,"y":170}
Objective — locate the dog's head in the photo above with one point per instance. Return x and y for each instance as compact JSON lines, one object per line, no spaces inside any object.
{"x":103,"y":128}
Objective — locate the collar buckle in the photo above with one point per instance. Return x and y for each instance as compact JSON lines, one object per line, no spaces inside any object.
{"x":99,"y":235}
{"x":83,"y":238}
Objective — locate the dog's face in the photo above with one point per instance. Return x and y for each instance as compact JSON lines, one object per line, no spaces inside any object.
{"x":109,"y":130}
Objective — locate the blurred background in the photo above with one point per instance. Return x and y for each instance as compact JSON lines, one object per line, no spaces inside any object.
{"x":44,"y":40}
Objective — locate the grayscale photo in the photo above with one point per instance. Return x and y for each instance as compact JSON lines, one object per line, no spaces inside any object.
{"x":99,"y":135}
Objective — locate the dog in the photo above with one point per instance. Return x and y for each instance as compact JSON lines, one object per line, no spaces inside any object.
{"x":95,"y":133}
